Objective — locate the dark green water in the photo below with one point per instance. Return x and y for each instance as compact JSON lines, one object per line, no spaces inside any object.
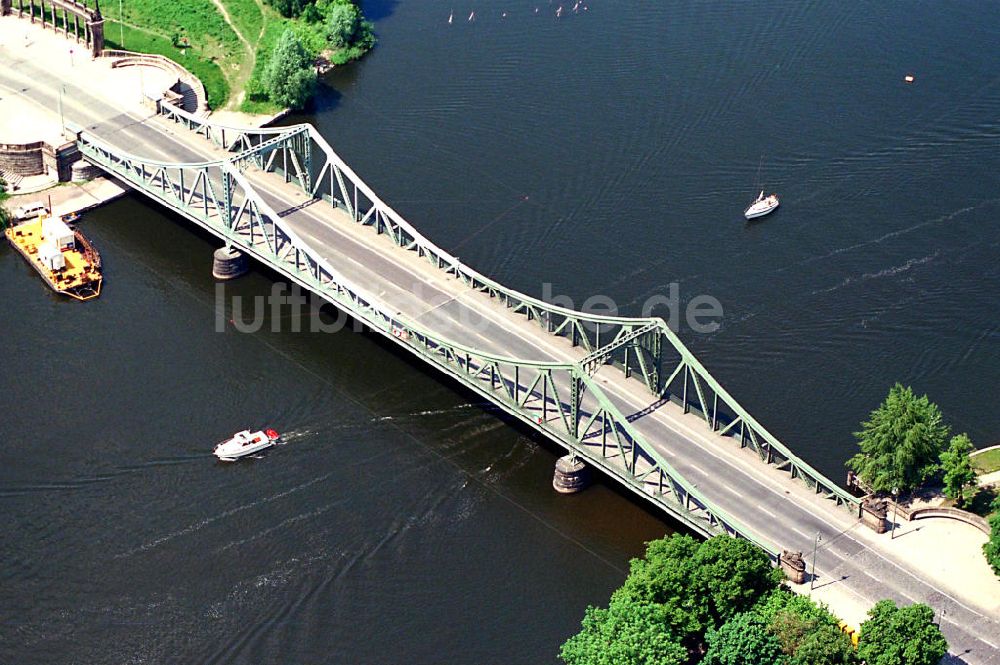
{"x":404,"y":521}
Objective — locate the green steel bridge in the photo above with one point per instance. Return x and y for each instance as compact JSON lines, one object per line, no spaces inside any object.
{"x":623,"y":394}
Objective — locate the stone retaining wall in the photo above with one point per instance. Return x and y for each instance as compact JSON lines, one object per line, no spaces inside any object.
{"x":954,"y":514}
{"x":28,"y":159}
{"x":23,"y":159}
{"x":184,"y":78}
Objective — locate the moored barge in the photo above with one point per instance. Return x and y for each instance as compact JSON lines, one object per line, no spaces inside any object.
{"x":61,"y":255}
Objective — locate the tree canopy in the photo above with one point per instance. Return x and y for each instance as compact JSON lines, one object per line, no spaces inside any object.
{"x":342,"y":23}
{"x":808,"y":633}
{"x":901,"y":636}
{"x":290,"y":8}
{"x":901,"y":442}
{"x":743,"y":640}
{"x":290,"y":75}
{"x":719,"y":602}
{"x":683,"y":588}
{"x":701,"y":585}
{"x":625,"y":633}
{"x":957,"y":467}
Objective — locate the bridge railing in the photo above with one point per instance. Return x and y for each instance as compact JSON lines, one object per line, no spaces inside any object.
{"x":560,"y":400}
{"x":227,"y":137}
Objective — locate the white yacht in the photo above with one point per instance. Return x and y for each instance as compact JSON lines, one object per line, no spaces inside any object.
{"x":245,"y":443}
{"x":762,"y":206}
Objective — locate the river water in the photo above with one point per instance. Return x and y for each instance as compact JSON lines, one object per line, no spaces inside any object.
{"x":609,"y":150}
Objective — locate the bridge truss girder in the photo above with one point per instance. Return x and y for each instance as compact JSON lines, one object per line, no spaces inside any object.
{"x":563,"y":401}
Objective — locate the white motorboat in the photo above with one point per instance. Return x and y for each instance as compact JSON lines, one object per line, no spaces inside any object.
{"x":245,"y":443}
{"x":762,"y":206}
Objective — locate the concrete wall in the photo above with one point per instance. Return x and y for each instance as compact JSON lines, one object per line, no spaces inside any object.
{"x":60,"y":159}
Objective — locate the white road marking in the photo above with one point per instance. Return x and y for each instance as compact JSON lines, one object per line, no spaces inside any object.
{"x":802,"y":533}
{"x":765,"y":510}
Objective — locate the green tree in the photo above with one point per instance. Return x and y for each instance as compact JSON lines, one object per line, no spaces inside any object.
{"x":743,"y":640}
{"x":700,"y":585}
{"x":290,"y":8}
{"x":992,"y":546}
{"x":626,"y":633}
{"x":665,"y":576}
{"x":808,"y":633}
{"x":901,"y":442}
{"x":811,"y":641}
{"x":290,"y":77}
{"x":901,"y":636}
{"x":310,"y":14}
{"x":342,"y":24}
{"x":732,"y":574}
{"x":957,"y":467}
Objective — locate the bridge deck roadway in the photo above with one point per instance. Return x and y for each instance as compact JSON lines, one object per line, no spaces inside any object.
{"x":767,"y":501}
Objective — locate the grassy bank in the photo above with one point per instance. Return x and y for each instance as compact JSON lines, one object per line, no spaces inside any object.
{"x":206,"y":69}
{"x":228,"y":44}
{"x":986,"y":462}
{"x":312,"y":27}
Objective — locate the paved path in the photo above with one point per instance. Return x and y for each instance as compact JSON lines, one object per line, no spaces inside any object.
{"x":989,"y":479}
{"x":853,"y":563}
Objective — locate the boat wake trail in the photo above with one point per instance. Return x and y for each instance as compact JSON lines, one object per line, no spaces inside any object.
{"x":434,"y":412}
{"x":886,"y":272}
{"x":215,"y":518}
{"x":889,"y":236}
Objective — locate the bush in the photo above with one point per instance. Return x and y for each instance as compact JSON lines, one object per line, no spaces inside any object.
{"x":290,"y":77}
{"x":992,"y":547}
{"x":901,"y":442}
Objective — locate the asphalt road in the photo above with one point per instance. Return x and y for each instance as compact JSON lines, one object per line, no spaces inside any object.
{"x":765,"y":500}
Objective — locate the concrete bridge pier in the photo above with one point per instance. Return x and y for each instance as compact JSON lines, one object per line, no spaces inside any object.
{"x":229,"y":263}
{"x":571,"y":475}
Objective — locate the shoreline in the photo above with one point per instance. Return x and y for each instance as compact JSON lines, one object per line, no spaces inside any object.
{"x":72,"y":197}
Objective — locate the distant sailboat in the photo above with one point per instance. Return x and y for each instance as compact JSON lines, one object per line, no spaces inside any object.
{"x":762,"y":205}
{"x":451,"y":17}
{"x":472,"y":17}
